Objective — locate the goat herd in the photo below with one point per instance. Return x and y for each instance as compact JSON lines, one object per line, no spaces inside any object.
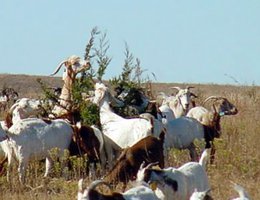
{"x":132,"y":148}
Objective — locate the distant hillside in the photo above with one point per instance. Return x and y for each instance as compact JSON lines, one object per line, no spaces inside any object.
{"x":27,"y":85}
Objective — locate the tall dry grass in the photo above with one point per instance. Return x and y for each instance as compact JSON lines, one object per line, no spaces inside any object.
{"x":237,"y":156}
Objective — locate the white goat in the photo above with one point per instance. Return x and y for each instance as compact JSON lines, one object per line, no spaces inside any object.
{"x":181,"y":133}
{"x":124,"y":132}
{"x":139,"y":192}
{"x":24,"y":108}
{"x":179,"y":104}
{"x":73,"y":66}
{"x":33,"y":139}
{"x":177,"y":183}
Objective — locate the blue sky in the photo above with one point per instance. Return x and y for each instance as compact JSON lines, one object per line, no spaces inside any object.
{"x":184,"y":41}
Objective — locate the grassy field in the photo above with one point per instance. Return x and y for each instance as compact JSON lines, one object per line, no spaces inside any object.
{"x":237,"y":156}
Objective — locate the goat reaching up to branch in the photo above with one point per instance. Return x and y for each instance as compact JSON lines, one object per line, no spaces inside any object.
{"x":73,"y":66}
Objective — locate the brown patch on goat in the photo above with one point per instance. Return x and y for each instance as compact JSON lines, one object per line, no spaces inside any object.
{"x":84,"y":141}
{"x":8,"y":119}
{"x":147,"y":150}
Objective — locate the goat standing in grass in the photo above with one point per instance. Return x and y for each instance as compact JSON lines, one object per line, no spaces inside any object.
{"x":211,"y":118}
{"x":124,"y":132}
{"x":178,"y":104}
{"x":33,"y":139}
{"x":177,"y":183}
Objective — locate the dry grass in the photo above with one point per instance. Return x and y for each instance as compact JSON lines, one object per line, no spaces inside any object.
{"x":237,"y":156}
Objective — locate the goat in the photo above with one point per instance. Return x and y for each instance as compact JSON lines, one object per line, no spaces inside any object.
{"x":220,"y":105}
{"x":179,"y":103}
{"x":139,"y":192}
{"x":33,"y":139}
{"x":181,"y":132}
{"x":223,"y":105}
{"x":91,"y":141}
{"x":147,"y":150}
{"x":73,"y":66}
{"x":23,"y":108}
{"x":124,"y":132}
{"x":88,"y":140}
{"x":177,"y":183}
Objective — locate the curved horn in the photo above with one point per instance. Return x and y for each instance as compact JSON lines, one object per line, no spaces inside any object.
{"x":12,"y":108}
{"x":58,"y":68}
{"x":211,"y":97}
{"x":176,"y":87}
{"x":96,"y":183}
{"x":151,"y":165}
{"x":189,"y":87}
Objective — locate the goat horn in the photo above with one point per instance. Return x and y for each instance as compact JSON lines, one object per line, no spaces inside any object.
{"x":189,"y":87}
{"x":96,"y":183}
{"x":212,"y":97}
{"x":151,"y":165}
{"x":12,"y":108}
{"x":58,"y":68}
{"x":177,"y":88}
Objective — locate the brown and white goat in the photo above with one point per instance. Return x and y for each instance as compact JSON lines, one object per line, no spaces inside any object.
{"x":147,"y":150}
{"x":73,"y":66}
{"x":90,"y":140}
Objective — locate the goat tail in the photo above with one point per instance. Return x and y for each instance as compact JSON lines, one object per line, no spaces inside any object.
{"x":204,"y":158}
